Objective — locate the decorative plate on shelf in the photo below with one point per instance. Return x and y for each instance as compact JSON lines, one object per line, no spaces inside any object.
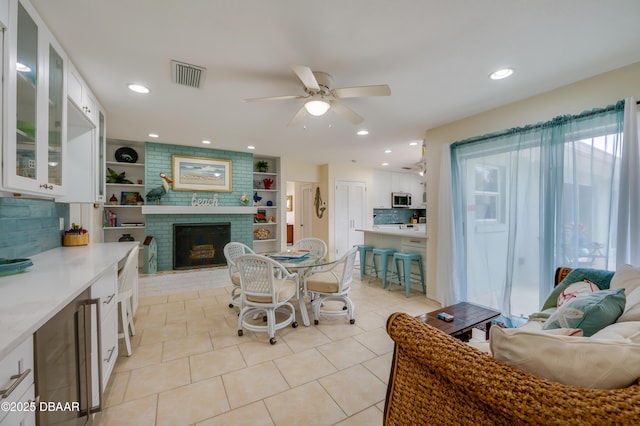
{"x":126,"y":155}
{"x":14,"y":266}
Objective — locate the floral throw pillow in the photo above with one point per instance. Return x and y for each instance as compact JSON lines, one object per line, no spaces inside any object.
{"x":590,"y":312}
{"x":575,"y":289}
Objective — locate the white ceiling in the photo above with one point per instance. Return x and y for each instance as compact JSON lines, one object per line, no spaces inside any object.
{"x":435,"y":55}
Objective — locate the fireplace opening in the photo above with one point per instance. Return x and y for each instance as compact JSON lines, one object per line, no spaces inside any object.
{"x":200,"y":245}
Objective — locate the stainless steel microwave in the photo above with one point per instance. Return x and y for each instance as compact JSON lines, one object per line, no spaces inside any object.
{"x":400,"y":199}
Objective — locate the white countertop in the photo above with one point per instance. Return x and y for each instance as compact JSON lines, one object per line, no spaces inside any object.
{"x":31,"y":298}
{"x":419,"y":230}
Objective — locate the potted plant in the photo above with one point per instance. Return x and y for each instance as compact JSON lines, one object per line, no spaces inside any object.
{"x":262,"y":166}
{"x":115,"y":177}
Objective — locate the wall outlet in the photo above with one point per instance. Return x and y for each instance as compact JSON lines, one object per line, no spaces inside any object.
{"x":62,"y":223}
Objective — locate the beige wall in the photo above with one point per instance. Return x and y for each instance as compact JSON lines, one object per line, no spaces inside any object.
{"x":595,"y":92}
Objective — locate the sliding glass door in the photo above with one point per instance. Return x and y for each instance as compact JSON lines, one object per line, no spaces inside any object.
{"x":531,"y":199}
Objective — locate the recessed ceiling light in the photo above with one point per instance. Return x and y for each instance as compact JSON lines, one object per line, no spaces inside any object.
{"x":138,"y":88}
{"x":387,"y":151}
{"x":153,"y":135}
{"x":413,"y":143}
{"x":251,"y":147}
{"x":385,"y":164}
{"x":363,"y":132}
{"x":22,"y":67}
{"x":206,"y":142}
{"x":500,"y":74}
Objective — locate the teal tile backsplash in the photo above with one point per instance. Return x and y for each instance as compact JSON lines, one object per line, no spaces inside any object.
{"x":29,"y":227}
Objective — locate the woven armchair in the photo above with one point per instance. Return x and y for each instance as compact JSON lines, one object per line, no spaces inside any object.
{"x":438,"y":380}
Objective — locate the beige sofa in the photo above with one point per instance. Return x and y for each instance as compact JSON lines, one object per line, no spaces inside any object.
{"x":438,"y":380}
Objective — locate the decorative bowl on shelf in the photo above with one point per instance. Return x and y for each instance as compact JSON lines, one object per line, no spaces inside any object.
{"x":261,"y":233}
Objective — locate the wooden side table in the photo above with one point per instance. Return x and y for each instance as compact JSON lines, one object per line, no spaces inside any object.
{"x":466,"y":315}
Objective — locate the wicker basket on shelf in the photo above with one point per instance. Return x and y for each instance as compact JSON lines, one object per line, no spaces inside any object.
{"x":261,"y":233}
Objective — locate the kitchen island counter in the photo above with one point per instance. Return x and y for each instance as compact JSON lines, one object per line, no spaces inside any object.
{"x":418,"y":231}
{"x":400,"y":238}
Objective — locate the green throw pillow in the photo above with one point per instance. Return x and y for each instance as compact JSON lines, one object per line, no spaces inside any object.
{"x":590,"y":312}
{"x":599,"y":277}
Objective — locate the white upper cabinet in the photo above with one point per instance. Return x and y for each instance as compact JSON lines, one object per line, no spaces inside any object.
{"x":385,"y":183}
{"x":36,"y":110}
{"x":381,"y":190}
{"x":80,"y":94}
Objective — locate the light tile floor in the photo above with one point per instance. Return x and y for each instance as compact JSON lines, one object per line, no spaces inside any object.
{"x":190,"y":367}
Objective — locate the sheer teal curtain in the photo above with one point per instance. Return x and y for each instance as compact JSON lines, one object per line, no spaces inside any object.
{"x":530,"y":199}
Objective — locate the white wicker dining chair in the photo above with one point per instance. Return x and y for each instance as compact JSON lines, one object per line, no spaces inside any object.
{"x":333,"y":284}
{"x":313,"y":245}
{"x":232,"y":251}
{"x":265,"y":291}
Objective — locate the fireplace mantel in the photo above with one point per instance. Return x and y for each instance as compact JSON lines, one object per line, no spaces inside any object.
{"x":198,"y":210}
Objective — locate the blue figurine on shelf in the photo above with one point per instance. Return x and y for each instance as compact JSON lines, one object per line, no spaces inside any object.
{"x":157,"y":193}
{"x":256,"y":199}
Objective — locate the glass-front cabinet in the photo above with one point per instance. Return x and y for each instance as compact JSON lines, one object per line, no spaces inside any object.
{"x":36,"y":108}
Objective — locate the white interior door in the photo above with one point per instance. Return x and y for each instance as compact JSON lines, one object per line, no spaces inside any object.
{"x":306,"y":211}
{"x":351,"y":206}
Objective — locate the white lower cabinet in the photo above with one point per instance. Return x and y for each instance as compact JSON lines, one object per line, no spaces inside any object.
{"x":16,"y":379}
{"x":105,"y":289}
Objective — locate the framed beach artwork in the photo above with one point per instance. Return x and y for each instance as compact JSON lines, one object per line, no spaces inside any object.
{"x":201,"y":174}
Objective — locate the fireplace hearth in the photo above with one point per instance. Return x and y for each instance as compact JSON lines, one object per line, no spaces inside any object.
{"x":200,"y":245}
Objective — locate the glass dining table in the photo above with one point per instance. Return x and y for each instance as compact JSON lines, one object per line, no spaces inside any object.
{"x":302,"y":263}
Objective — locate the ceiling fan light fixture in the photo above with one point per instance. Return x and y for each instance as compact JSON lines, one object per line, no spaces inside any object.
{"x":317,"y":107}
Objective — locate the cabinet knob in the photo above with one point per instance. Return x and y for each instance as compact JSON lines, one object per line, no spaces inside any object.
{"x":46,"y":186}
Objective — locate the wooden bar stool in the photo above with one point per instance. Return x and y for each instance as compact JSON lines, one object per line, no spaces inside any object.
{"x":384,"y":255}
{"x":405,"y":277}
{"x":364,"y":249}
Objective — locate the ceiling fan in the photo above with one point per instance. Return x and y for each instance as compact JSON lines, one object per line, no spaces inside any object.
{"x":320,"y":97}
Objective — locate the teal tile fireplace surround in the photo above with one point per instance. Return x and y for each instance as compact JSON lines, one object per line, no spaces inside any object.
{"x":158,"y":160}
{"x":29,"y":227}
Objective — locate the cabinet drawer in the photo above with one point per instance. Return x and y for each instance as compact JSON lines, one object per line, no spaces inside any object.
{"x":105,"y":289}
{"x":16,"y":372}
{"x":21,"y":416}
{"x":109,"y":343}
{"x":413,"y":242}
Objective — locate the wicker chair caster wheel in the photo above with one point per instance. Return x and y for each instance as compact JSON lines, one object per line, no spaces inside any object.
{"x":272,"y":340}
{"x":240,"y":332}
{"x":353,"y":321}
{"x":294,"y":324}
{"x":315,"y":322}
{"x":344,"y":308}
{"x":231,"y":305}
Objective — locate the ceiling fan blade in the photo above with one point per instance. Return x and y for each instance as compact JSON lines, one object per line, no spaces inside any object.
{"x":273,"y":98}
{"x":356,"y":92}
{"x":306,"y":76}
{"x":346,"y":112}
{"x":298,"y":117}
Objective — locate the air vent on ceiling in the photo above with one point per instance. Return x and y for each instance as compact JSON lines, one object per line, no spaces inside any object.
{"x":186,"y":74}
